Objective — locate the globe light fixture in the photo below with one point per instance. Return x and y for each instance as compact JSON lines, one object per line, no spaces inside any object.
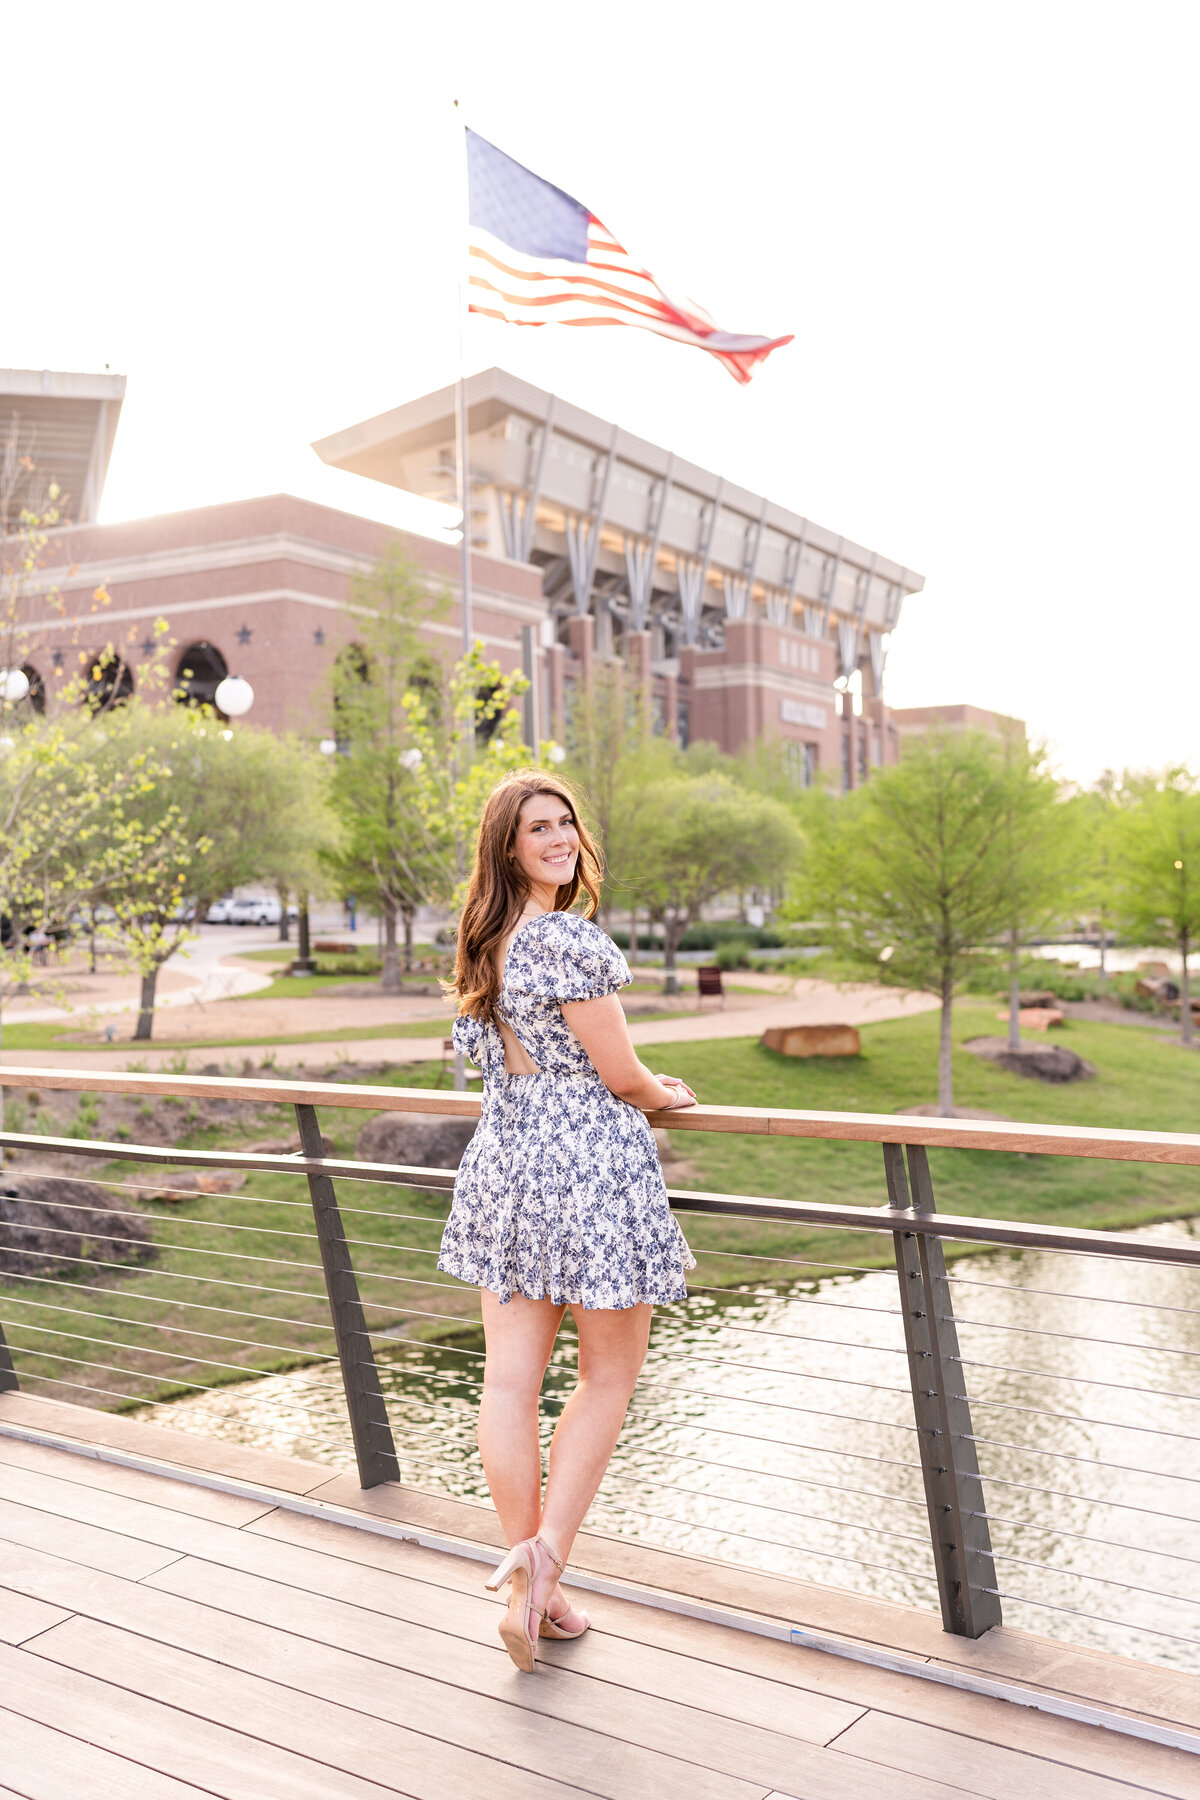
{"x":328,"y":746}
{"x":14,"y":685}
{"x":7,"y":744}
{"x":234,"y":696}
{"x":556,"y":754}
{"x":411,"y":760}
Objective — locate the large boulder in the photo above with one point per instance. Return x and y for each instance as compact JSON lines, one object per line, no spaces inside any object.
{"x":1038,"y":1062}
{"x":419,"y":1140}
{"x":49,"y":1224}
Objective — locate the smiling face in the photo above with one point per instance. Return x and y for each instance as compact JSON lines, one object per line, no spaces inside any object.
{"x":546,"y":847}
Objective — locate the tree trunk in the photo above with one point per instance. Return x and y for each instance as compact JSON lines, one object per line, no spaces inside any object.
{"x":633,"y":937}
{"x":303,"y":964}
{"x":406,"y":913}
{"x":1185,"y":992}
{"x":672,"y":932}
{"x":390,"y":982}
{"x":1014,"y":994}
{"x":945,"y":1068}
{"x":284,"y":929}
{"x":1103,"y":951}
{"x":145,"y":1021}
{"x":92,"y":938}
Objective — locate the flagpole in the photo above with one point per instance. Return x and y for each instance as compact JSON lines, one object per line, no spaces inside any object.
{"x":463,"y":460}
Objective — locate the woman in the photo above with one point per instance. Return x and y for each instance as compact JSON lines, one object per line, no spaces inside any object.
{"x":559,"y":1201}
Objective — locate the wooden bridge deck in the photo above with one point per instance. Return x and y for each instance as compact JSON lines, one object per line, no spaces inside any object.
{"x":162,"y":1639}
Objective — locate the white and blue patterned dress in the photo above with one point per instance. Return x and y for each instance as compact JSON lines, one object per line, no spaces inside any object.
{"x":560,"y":1194}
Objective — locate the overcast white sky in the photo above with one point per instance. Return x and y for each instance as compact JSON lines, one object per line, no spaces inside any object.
{"x":980,"y":222}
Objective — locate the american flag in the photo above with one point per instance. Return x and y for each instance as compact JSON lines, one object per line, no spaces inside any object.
{"x":538,"y":257}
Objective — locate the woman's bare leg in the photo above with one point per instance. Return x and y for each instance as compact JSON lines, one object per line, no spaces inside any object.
{"x":520,"y":1336}
{"x":612,"y":1349}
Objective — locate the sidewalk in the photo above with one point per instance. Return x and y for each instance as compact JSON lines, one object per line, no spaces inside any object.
{"x":812,"y":1003}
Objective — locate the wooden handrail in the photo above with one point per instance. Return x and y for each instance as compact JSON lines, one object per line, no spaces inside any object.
{"x":844,"y":1127}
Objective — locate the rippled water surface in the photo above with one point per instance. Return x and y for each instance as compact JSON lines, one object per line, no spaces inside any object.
{"x":775,"y":1429}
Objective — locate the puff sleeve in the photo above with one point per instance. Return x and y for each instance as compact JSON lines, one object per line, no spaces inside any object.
{"x":564,"y":957}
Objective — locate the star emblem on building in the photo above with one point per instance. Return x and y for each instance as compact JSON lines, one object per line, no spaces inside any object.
{"x":244,"y":634}
{"x":147,"y":646}
{"x":318,"y":637}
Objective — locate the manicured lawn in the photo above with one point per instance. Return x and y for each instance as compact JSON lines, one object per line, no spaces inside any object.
{"x":1145,"y":1081}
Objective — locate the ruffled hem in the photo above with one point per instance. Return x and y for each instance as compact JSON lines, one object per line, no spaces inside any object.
{"x":665,"y":1291}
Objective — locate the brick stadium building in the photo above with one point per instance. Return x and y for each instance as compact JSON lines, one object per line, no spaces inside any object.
{"x":737,"y":620}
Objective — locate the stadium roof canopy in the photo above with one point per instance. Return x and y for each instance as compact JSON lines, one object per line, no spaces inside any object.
{"x":65,"y":425}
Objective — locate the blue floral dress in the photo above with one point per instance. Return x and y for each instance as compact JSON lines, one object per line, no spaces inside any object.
{"x":560,"y":1194}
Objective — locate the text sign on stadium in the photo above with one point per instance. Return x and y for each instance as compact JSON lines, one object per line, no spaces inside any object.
{"x":796,"y":712}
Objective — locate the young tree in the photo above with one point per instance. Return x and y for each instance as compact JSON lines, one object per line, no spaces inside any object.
{"x":1157,"y":853}
{"x":218,"y":808}
{"x":697,"y":838}
{"x":383,"y":842}
{"x":913,"y":869}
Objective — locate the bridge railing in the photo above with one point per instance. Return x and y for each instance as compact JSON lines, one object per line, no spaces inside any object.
{"x":879,"y":1428}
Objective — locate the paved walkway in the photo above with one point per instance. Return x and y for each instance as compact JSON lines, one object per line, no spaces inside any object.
{"x":811,"y":1003}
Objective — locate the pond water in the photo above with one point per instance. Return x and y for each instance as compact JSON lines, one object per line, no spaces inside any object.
{"x":773,"y":1428}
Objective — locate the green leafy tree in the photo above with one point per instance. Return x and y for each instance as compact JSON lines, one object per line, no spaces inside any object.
{"x":383,"y":851}
{"x":696,"y":838}
{"x":1157,"y":857}
{"x":913,"y":870}
{"x":459,"y":746}
{"x":216,"y":809}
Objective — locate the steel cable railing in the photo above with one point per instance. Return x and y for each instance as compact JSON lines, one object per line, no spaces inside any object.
{"x":143,"y":1301}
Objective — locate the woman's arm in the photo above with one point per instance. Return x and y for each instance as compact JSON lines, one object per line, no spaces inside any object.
{"x":601,"y":1028}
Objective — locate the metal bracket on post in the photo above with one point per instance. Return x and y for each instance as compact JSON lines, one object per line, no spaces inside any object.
{"x":8,"y":1375}
{"x":958,"y":1527}
{"x":374,"y":1448}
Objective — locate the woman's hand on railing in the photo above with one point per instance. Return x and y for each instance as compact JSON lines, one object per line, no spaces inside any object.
{"x":683,"y":1095}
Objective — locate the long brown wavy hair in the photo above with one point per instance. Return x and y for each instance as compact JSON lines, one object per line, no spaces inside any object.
{"x":499,"y":888}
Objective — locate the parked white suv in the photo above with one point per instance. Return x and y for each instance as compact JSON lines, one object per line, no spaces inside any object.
{"x":220,"y":910}
{"x":255,"y":912}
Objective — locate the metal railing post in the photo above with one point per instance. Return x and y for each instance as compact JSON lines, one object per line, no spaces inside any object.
{"x":373,"y":1445}
{"x":958,"y":1527}
{"x":8,"y":1375}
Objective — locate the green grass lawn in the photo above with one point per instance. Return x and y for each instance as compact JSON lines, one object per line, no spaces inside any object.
{"x":1145,"y":1081}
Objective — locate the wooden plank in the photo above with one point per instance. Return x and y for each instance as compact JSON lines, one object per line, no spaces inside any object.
{"x":848,"y":1127}
{"x":21,"y":1617}
{"x":136,"y":1484}
{"x":982,"y":1768}
{"x":785,"y":1665}
{"x":651,"y":1698}
{"x":469,"y":1615}
{"x":49,"y":1764}
{"x":720,"y":1584}
{"x":32,"y":1529}
{"x":105,"y":1709}
{"x":596,"y":1760}
{"x":85,"y":1426}
{"x":207,"y":1686}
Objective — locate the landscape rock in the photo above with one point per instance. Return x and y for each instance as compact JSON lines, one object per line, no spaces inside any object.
{"x":421,"y":1140}
{"x":812,"y":1040}
{"x":1038,"y":1062}
{"x":48,"y":1224}
{"x":1036,"y":1018}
